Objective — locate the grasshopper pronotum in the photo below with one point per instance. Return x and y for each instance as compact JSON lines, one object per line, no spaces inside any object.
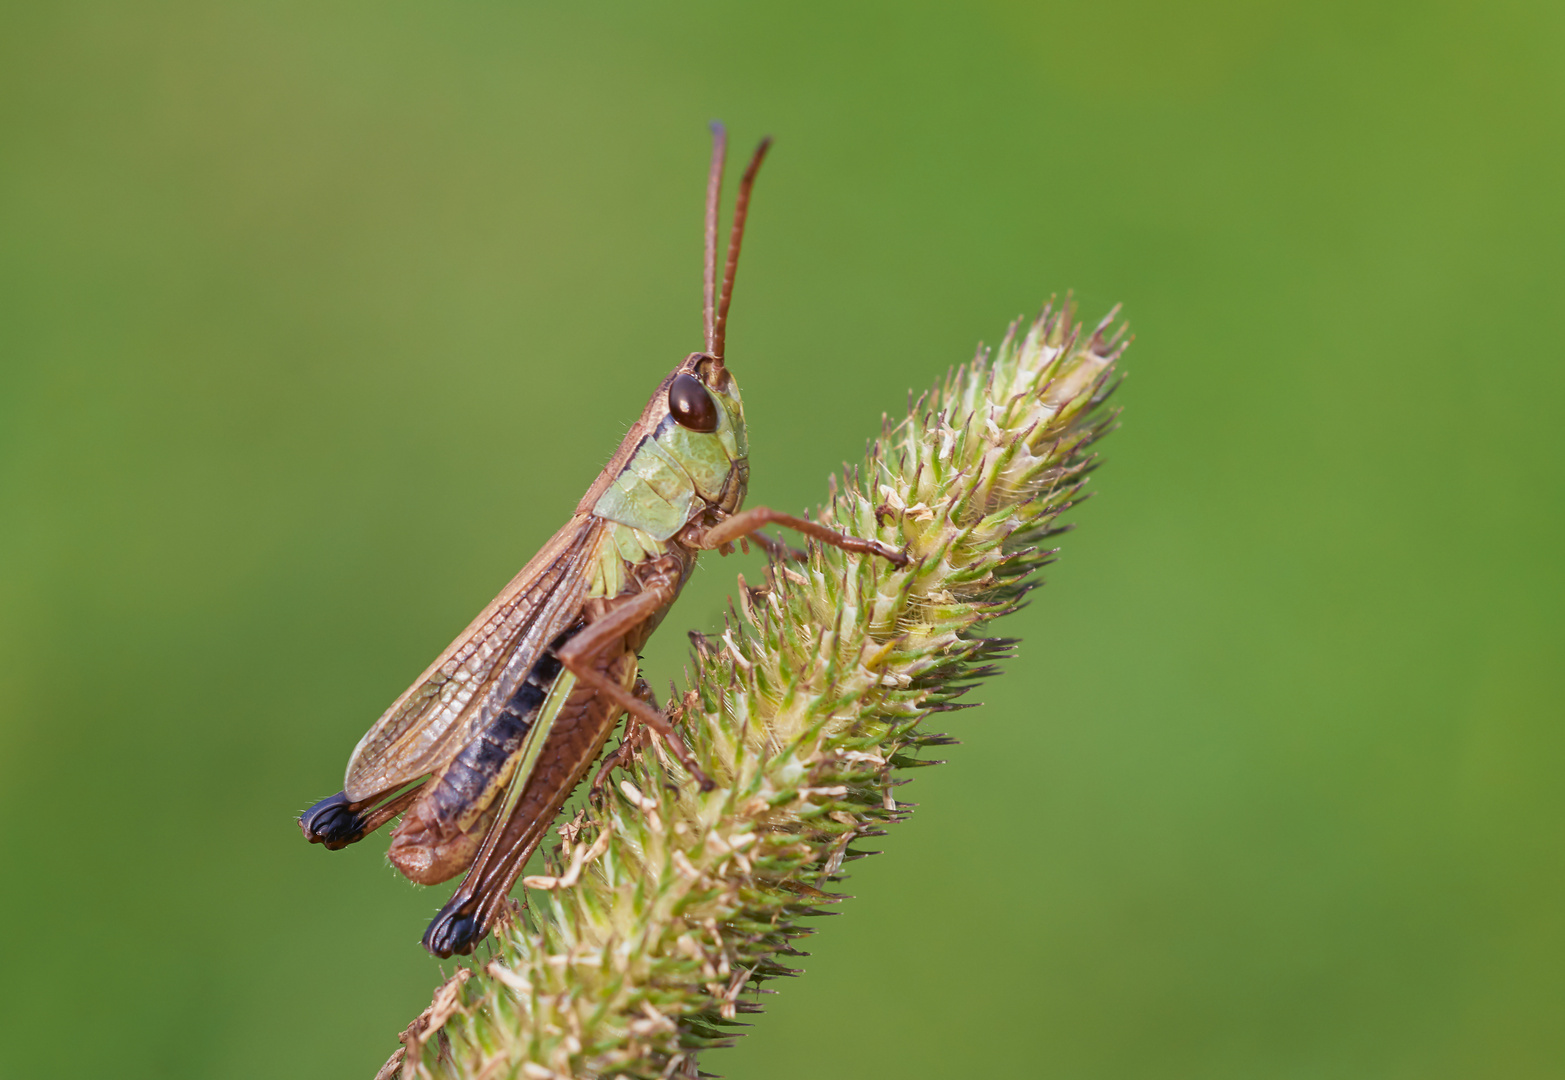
{"x":506,"y":722}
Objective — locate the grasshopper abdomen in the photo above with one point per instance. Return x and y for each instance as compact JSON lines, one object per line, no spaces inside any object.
{"x":442,"y":831}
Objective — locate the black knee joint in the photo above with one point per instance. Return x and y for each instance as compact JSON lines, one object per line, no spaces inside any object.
{"x":332,"y":822}
{"x":453,"y":931}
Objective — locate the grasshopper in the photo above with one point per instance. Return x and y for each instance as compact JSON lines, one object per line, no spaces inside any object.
{"x":481,"y":752}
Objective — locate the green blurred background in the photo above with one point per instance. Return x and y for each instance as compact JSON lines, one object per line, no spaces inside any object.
{"x":317,"y":318}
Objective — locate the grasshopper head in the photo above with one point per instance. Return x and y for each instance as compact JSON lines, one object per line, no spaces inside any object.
{"x":701,"y":406}
{"x":687,"y":453}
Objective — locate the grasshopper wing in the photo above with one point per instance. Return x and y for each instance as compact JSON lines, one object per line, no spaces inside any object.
{"x":471,"y":681}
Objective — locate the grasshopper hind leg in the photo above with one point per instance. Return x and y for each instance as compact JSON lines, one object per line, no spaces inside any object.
{"x":332,"y":822}
{"x":456,"y":929}
{"x":336,"y":821}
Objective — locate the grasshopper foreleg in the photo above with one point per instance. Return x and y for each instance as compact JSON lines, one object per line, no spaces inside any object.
{"x":745,"y":524}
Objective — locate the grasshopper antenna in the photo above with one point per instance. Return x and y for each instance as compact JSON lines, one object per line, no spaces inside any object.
{"x":714,"y":186}
{"x":718,"y":327}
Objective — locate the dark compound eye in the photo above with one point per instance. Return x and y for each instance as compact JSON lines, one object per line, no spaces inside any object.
{"x":691,"y":405}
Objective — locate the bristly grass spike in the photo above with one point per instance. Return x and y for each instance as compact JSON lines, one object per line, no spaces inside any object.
{"x":480,"y":753}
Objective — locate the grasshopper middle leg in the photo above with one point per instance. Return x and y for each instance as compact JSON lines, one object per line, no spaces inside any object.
{"x":629,"y":615}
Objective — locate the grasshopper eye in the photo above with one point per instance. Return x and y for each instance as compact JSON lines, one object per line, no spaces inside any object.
{"x":691,"y":405}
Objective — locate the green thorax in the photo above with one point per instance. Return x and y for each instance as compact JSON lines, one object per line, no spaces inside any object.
{"x":673,"y":475}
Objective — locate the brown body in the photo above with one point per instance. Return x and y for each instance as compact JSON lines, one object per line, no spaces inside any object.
{"x":498,"y":731}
